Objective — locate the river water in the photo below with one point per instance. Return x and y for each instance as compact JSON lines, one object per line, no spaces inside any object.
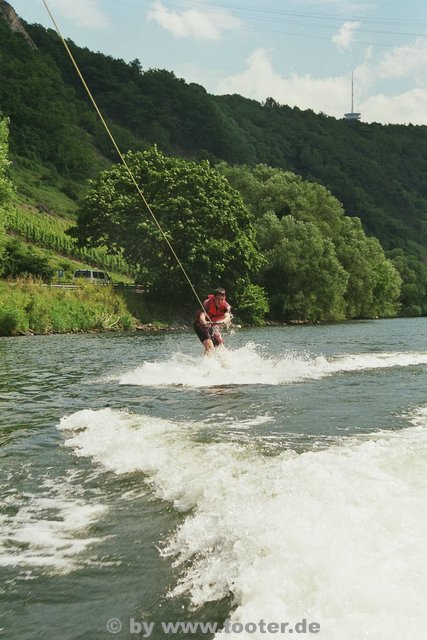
{"x":279,"y":485}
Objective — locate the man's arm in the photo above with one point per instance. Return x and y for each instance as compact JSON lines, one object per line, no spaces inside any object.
{"x":203,"y":318}
{"x":227,"y":318}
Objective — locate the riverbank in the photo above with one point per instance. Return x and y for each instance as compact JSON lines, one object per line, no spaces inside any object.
{"x":28,"y":308}
{"x":31,"y":308}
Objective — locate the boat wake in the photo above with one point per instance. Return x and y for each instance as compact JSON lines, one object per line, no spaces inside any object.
{"x":49,"y":529}
{"x":251,"y":365}
{"x":332,"y":536}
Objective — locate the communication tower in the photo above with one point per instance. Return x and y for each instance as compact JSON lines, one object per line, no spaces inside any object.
{"x":353,"y":115}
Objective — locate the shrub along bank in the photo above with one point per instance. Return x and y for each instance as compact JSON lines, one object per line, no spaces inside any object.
{"x":28,"y":307}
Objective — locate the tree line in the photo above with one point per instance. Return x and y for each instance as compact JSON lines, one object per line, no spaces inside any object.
{"x":281,"y":245}
{"x":276,"y":242}
{"x":376,"y":172}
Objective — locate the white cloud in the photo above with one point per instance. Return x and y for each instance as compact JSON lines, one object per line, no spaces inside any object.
{"x":400,"y":62}
{"x":202,"y":24}
{"x":399,"y":106}
{"x":259,"y":81}
{"x":406,"y":108}
{"x":344,"y":38}
{"x":86,"y":13}
{"x":328,"y":95}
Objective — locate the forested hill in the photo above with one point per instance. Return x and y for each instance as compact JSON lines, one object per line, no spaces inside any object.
{"x":377,"y":172}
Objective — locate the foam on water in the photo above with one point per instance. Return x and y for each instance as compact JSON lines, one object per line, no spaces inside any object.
{"x":48,"y":529}
{"x":250,"y":365}
{"x":335,"y":536}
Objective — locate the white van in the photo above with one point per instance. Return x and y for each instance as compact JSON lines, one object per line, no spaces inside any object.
{"x":97,"y":277}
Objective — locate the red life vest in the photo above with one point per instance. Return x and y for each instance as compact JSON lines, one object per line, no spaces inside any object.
{"x":215,"y":313}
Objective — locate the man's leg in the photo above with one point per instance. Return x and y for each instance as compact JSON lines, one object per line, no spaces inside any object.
{"x":217,"y":338}
{"x":205,"y":337}
{"x":209,"y":347}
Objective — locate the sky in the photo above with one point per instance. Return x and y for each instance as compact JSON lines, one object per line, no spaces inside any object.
{"x":300,"y":52}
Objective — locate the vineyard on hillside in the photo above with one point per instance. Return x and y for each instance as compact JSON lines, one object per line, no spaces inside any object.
{"x":49,"y":232}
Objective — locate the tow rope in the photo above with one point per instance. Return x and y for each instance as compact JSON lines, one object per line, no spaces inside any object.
{"x":120,"y":154}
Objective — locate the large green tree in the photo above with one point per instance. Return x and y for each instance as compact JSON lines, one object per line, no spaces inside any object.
{"x":320,"y":264}
{"x":413,"y":272}
{"x":374,"y":282}
{"x":303,"y":276}
{"x":204,"y":219}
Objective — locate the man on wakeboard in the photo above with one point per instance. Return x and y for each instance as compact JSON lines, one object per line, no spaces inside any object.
{"x":217,"y":312}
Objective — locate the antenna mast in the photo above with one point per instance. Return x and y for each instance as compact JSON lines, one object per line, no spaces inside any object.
{"x":353,"y":115}
{"x":352,"y":93}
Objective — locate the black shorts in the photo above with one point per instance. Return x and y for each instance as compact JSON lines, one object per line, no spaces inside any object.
{"x":208,"y":333}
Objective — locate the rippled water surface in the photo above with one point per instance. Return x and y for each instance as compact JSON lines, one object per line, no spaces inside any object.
{"x":282,"y":480}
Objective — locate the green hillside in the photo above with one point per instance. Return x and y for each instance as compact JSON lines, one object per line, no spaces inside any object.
{"x":377,"y":172}
{"x":56,"y":143}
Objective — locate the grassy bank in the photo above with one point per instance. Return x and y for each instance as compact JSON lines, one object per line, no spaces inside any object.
{"x":29,"y":307}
